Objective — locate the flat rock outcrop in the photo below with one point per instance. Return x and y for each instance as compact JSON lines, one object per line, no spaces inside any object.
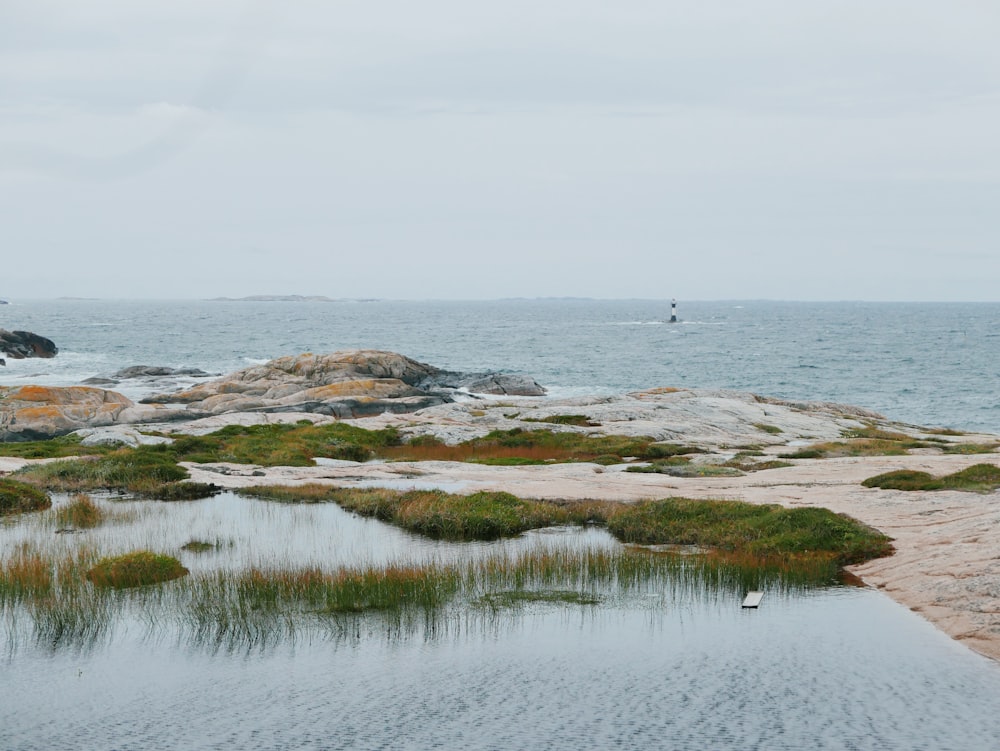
{"x":21,"y":344}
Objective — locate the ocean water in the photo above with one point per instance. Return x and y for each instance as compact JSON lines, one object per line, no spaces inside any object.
{"x":929,"y":364}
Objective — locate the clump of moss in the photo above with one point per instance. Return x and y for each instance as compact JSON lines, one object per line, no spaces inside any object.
{"x":19,"y":497}
{"x":135,"y":569}
{"x":979,"y":478}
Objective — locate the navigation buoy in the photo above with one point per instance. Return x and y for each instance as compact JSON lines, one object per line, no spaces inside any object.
{"x":673,"y":311}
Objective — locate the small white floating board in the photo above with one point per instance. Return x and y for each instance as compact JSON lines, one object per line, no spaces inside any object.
{"x":753,"y":599}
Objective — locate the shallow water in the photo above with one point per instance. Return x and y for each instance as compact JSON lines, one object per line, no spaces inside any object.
{"x":682,"y":668}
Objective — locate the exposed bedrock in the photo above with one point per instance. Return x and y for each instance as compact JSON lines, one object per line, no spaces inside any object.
{"x":354,"y":383}
{"x":21,"y":344}
{"x":30,"y":413}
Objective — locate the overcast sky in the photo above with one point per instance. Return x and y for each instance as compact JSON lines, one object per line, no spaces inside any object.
{"x":782,"y":149}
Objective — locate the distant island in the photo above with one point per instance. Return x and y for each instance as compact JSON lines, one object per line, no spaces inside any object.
{"x":285,"y":298}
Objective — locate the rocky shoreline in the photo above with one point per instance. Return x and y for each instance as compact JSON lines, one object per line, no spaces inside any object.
{"x":945,"y":567}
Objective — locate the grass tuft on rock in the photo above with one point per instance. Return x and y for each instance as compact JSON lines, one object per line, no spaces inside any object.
{"x":19,"y":497}
{"x":136,"y":569}
{"x":979,"y":478}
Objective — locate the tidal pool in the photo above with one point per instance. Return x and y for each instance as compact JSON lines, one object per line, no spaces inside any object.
{"x":680,"y":667}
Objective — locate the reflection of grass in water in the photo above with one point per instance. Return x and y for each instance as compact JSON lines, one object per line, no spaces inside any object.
{"x":258,"y":607}
{"x":517,"y":597}
{"x":761,"y":531}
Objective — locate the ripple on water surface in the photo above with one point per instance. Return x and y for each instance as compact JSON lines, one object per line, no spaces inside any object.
{"x":685,"y":668}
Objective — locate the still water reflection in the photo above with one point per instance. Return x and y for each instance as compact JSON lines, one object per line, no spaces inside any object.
{"x":831,"y":668}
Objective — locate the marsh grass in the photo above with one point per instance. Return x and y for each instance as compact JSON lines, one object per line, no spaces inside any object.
{"x":764,"y":531}
{"x":141,"y":470}
{"x":979,"y":478}
{"x":440,"y":515}
{"x":19,"y":497}
{"x":81,"y":513}
{"x":26,"y":573}
{"x":256,"y":606}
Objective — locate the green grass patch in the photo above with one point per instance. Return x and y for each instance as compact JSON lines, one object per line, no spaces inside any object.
{"x":53,"y":448}
{"x":140,"y":470}
{"x":81,"y":513}
{"x":744,"y":528}
{"x":135,"y":569}
{"x":284,"y":445}
{"x":535,"y":447}
{"x":686,"y":469}
{"x":970,"y":448}
{"x":440,"y":515}
{"x":979,"y":478}
{"x":772,"y":429}
{"x":20,"y":497}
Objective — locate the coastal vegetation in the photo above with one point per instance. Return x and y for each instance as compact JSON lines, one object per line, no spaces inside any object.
{"x":297,"y":445}
{"x":979,"y":478}
{"x":69,"y":598}
{"x":746,"y":529}
{"x":135,"y":569}
{"x":80,"y":513}
{"x":874,"y":441}
{"x":19,"y":497}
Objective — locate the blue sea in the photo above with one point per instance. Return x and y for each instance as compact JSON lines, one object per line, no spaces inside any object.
{"x":935,"y":364}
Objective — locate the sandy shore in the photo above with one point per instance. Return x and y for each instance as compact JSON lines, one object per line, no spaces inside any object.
{"x":947,"y":561}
